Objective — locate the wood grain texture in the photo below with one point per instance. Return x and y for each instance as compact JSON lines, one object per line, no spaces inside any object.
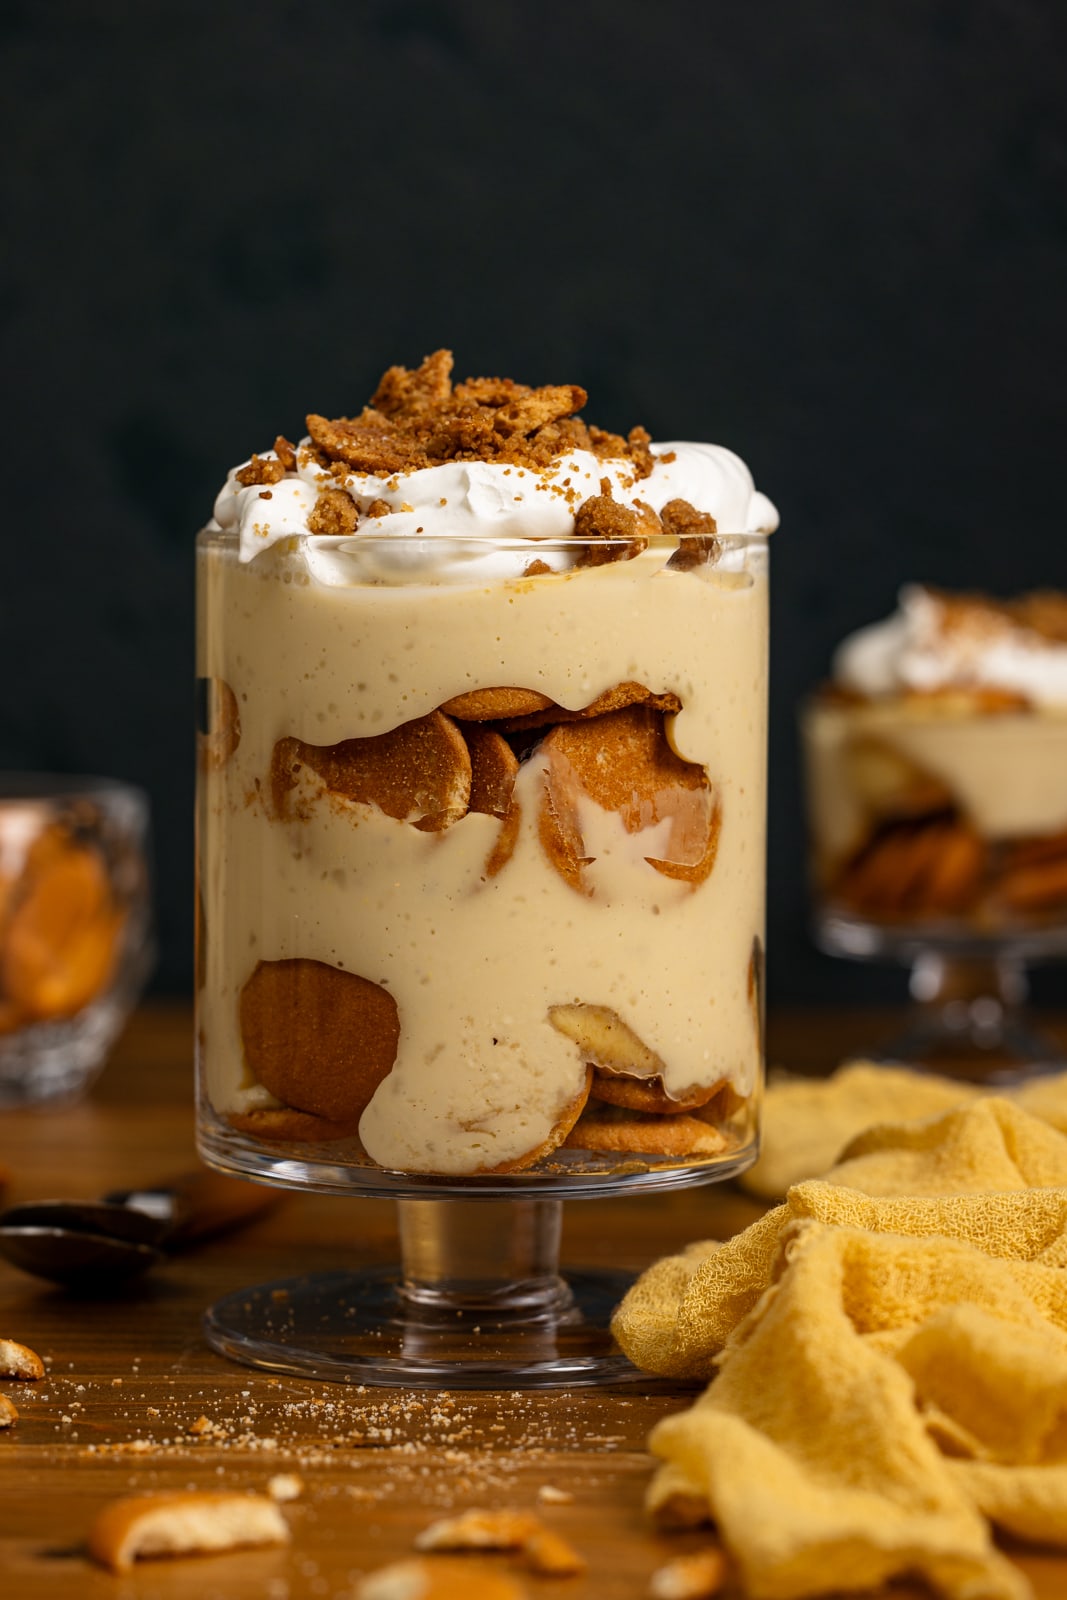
{"x":129,"y":1378}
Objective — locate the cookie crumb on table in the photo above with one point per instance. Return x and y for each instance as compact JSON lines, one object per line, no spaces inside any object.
{"x":285,"y":1486}
{"x":544,"y":1551}
{"x":549,"y":1495}
{"x":479,"y":1530}
{"x":551,"y":1556}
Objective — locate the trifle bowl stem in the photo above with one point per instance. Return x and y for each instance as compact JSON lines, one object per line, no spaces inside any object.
{"x":969,"y":1016}
{"x":968,"y":1019}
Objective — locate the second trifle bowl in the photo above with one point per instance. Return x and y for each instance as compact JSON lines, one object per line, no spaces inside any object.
{"x":937,"y":789}
{"x":480,"y":864}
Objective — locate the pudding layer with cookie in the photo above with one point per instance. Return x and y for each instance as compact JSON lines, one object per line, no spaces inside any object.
{"x":482,"y":788}
{"x":937,"y":765}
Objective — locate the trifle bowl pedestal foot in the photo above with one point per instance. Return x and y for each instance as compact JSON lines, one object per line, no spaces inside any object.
{"x":477,"y":1302}
{"x":968,"y":1017}
{"x":968,"y":1020}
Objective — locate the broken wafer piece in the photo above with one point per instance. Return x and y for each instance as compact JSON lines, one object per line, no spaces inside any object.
{"x":545,"y":1551}
{"x":494,"y":768}
{"x":623,"y":763}
{"x":1036,"y":886}
{"x":927,"y":868}
{"x":479,"y":1530}
{"x":419,"y":772}
{"x":616,"y":698}
{"x":319,"y":1039}
{"x":404,"y":392}
{"x":626,"y":694}
{"x":631,"y":1094}
{"x":561,"y":1128}
{"x":627,"y":1073}
{"x":631,"y":1133}
{"x":955,"y":877}
{"x":285,"y":1125}
{"x":1032,"y":875}
{"x":504,"y":848}
{"x":696,"y":1576}
{"x":185,"y":1523}
{"x":525,"y":412}
{"x":438,"y":1578}
{"x":221,"y":734}
{"x":493,"y":705}
{"x":19,"y":1361}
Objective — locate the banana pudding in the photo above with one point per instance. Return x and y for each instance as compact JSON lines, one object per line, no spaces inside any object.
{"x":481,"y":789}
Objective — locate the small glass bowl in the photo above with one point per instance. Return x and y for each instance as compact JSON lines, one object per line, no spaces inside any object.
{"x":75,"y":942}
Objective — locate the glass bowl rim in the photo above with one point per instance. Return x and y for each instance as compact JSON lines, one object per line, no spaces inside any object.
{"x":230,"y":538}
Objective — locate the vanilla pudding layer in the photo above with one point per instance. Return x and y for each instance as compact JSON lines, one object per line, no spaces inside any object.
{"x":475,"y":962}
{"x":1007,"y":772}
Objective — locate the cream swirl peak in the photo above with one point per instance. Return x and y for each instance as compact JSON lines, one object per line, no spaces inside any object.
{"x":488,"y":458}
{"x":936,"y":641}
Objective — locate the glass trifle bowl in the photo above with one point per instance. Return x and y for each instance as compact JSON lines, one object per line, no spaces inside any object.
{"x":937,"y":804}
{"x":480,"y":858}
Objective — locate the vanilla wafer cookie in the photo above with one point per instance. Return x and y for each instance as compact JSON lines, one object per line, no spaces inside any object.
{"x":419,"y":772}
{"x":319,"y":1039}
{"x":630,"y":1132}
{"x":623,"y":763}
{"x":626,"y":1072}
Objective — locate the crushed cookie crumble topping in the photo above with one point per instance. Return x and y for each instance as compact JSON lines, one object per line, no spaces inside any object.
{"x":695,"y":531}
{"x":261,"y":470}
{"x":334,"y":512}
{"x":602,"y":517}
{"x":417,"y":418}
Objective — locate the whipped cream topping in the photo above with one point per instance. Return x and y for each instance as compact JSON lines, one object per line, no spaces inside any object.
{"x":469,"y":500}
{"x":920,"y":648}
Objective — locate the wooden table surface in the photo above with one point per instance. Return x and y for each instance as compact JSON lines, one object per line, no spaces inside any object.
{"x":129,"y":1377}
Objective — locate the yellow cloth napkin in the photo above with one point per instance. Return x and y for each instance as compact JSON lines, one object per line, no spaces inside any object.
{"x":808,"y":1121}
{"x":891,"y":1365}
